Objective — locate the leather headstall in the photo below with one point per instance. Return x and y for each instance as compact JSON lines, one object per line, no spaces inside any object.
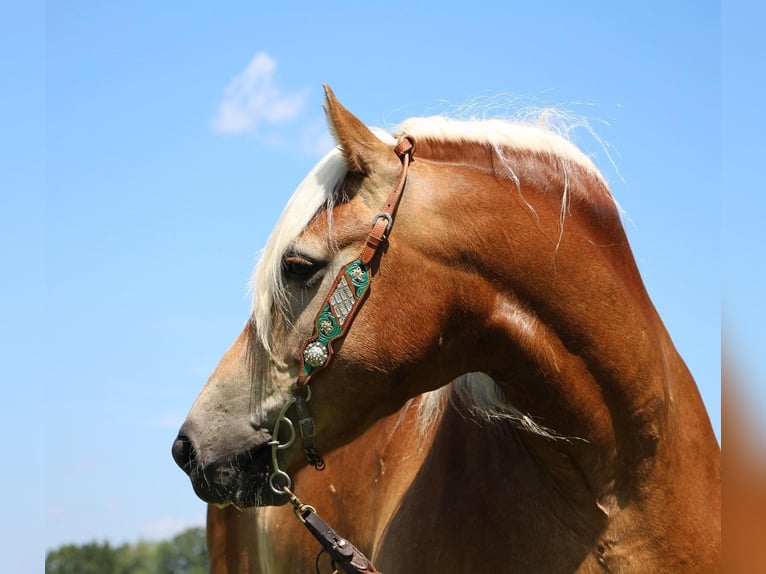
{"x":347,"y":293}
{"x":349,"y":290}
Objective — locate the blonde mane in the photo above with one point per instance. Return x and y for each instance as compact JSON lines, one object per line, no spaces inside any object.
{"x":476,"y":392}
{"x":502,"y":136}
{"x":316,"y":191}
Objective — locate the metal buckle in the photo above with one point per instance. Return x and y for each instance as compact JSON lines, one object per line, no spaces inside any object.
{"x":389,"y":222}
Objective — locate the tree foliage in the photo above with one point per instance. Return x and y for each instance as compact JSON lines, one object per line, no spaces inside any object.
{"x":185,"y":553}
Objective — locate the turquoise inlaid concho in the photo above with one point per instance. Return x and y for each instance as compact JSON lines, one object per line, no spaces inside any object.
{"x":359,"y":276}
{"x":327,"y":327}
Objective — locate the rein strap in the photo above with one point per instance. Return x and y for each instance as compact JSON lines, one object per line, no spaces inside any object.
{"x":343,"y":554}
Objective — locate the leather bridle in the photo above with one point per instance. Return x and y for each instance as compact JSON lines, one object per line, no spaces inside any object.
{"x":347,"y":293}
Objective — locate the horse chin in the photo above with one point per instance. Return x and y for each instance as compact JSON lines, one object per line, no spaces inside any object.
{"x":246,"y":492}
{"x":242,"y":482}
{"x":252,"y":496}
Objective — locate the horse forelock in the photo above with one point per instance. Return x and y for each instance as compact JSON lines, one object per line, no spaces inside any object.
{"x":314,"y":193}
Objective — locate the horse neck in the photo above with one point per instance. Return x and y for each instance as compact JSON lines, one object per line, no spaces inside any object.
{"x":569,"y":332}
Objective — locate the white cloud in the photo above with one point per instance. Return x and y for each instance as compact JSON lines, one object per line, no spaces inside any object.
{"x":253,"y":98}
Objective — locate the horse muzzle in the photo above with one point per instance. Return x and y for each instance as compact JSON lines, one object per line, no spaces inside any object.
{"x":238,"y":478}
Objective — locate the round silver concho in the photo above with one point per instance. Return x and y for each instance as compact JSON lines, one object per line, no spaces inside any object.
{"x":315,"y":355}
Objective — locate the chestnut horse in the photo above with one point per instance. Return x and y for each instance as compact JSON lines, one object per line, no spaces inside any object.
{"x":483,"y":372}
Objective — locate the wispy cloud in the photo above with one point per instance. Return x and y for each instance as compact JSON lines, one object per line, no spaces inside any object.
{"x":253,"y":98}
{"x":253,"y":103}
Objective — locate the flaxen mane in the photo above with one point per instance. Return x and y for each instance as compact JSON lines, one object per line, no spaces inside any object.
{"x":476,"y":392}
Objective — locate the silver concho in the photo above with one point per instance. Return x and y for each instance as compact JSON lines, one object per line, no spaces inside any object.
{"x":315,"y":355}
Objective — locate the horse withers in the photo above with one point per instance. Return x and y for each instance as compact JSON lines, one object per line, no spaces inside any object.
{"x":474,"y":359}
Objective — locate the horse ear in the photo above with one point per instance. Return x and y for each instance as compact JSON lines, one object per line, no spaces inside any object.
{"x":365,"y":153}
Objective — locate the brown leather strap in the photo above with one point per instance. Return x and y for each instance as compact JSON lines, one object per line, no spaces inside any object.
{"x":383,"y":220}
{"x":308,"y":430}
{"x":337,"y":312}
{"x":378,"y":234}
{"x":344,"y":555}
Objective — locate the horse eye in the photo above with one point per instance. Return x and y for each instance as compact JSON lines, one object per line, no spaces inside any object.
{"x":299,"y":267}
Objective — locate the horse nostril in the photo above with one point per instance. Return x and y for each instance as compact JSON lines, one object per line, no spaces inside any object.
{"x":183,"y":453}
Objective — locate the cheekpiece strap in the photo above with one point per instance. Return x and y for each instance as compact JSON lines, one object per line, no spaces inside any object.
{"x":348,"y":292}
{"x":381,"y":226}
{"x":352,"y":283}
{"x":307,"y":429}
{"x":334,"y":318}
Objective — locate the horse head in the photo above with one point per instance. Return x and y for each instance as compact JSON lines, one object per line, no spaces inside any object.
{"x":403,"y":341}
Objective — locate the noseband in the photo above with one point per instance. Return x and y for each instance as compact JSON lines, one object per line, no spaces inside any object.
{"x":349,"y":290}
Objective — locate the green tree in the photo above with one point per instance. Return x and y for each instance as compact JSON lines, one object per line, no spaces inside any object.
{"x":185,"y":553}
{"x":91,"y":558}
{"x":139,"y":558}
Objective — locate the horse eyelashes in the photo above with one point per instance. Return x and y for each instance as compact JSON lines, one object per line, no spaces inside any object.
{"x":299,"y":267}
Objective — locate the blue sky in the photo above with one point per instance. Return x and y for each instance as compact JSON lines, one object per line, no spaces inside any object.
{"x":137,"y":206}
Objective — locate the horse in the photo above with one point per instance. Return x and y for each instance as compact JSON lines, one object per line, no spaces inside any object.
{"x":455,"y":322}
